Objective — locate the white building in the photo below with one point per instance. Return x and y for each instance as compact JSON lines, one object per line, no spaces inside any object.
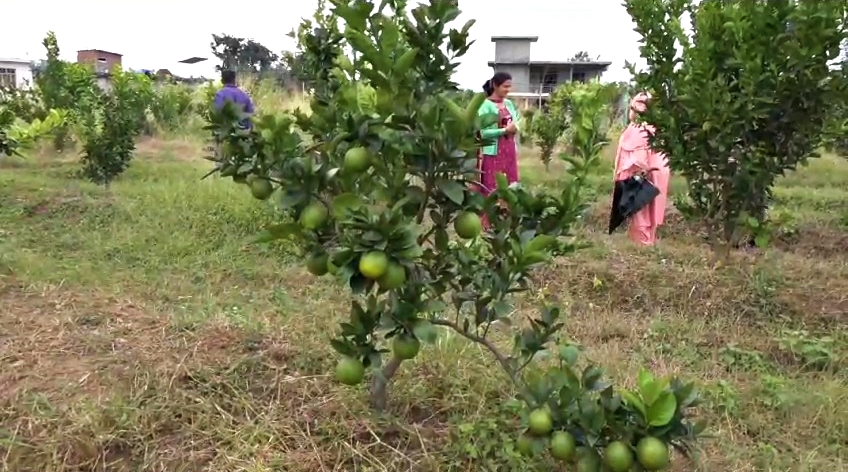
{"x":15,"y":73}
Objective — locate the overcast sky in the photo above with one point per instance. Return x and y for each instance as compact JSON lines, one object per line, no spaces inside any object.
{"x":155,"y":34}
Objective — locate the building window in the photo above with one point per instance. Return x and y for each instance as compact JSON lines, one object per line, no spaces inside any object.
{"x":8,"y":77}
{"x":578,"y":76}
{"x":549,"y":82}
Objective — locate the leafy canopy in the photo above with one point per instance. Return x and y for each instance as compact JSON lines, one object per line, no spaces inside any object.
{"x":376,"y":182}
{"x":740,"y":101}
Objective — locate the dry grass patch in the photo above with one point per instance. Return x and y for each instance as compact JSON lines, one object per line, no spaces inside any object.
{"x":139,"y":332}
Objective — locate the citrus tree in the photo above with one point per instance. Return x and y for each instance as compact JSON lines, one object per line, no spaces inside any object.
{"x":740,"y":101}
{"x":62,"y":86}
{"x":108,"y":123}
{"x":8,"y":144}
{"x":594,"y":112}
{"x":836,"y":129}
{"x":377,"y":182}
{"x":547,"y":128}
{"x":583,"y":113}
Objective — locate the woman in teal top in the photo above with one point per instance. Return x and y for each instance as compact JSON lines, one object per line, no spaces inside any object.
{"x":501,"y":157}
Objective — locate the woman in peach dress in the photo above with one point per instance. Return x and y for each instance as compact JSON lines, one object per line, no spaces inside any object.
{"x":635,"y":157}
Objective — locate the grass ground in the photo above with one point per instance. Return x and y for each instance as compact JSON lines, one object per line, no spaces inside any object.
{"x":137,"y":332}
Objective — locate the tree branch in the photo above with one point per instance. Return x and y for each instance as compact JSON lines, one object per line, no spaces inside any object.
{"x":501,"y":358}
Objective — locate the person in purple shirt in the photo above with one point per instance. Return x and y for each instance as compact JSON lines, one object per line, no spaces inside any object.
{"x":231,"y":93}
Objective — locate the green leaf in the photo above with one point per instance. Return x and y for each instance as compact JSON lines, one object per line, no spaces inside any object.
{"x":434,"y":306}
{"x":474,"y":106}
{"x":452,"y":189}
{"x":425,"y":331}
{"x":390,"y":35}
{"x":662,"y":410}
{"x":344,"y":203}
{"x":567,"y":394}
{"x":539,"y":388}
{"x":542,"y":242}
{"x":650,"y":391}
{"x":591,"y":377}
{"x":569,"y":354}
{"x":644,"y":380}
{"x":404,"y":62}
{"x":632,"y":400}
{"x":277,"y":231}
{"x":342,"y":347}
{"x":531,"y":258}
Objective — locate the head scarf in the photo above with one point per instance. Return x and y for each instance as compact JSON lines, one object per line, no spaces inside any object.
{"x":639,"y":103}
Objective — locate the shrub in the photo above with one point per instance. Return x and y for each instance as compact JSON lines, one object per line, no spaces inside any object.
{"x":741,"y":101}
{"x":109,"y":122}
{"x":24,"y":103}
{"x":8,"y":145}
{"x":171,"y":105}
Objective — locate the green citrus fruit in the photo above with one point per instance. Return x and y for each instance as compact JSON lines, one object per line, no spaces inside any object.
{"x":314,"y":216}
{"x":563,"y":445}
{"x":652,"y":453}
{"x":357,"y":159}
{"x":468,"y":225}
{"x":394,"y":277}
{"x":540,"y":422}
{"x":525,"y":445}
{"x":350,"y":371}
{"x":589,"y":463}
{"x":261,"y":189}
{"x":405,"y":347}
{"x":240,"y":179}
{"x":318,"y":264}
{"x":618,"y":457}
{"x":373,"y":265}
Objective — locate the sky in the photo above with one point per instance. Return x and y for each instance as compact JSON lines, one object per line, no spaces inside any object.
{"x":154,"y":34}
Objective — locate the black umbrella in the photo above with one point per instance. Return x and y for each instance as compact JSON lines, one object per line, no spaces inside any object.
{"x":629,"y":196}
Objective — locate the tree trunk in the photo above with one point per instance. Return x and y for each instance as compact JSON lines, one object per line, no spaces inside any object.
{"x":380,"y":384}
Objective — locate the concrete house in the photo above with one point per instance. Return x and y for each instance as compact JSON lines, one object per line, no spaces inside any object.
{"x":15,"y":73}
{"x":533,"y":81}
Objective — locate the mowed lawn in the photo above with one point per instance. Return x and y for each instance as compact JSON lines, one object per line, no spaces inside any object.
{"x":139,"y":332}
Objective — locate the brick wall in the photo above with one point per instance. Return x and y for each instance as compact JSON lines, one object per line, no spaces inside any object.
{"x":102,"y":61}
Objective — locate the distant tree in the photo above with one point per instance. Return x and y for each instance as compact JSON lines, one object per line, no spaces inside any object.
{"x":37,"y":67}
{"x":242,"y":54}
{"x":292,"y":63}
{"x":583,"y":56}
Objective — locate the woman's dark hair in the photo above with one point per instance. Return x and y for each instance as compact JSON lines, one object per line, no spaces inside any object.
{"x":496,"y":81}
